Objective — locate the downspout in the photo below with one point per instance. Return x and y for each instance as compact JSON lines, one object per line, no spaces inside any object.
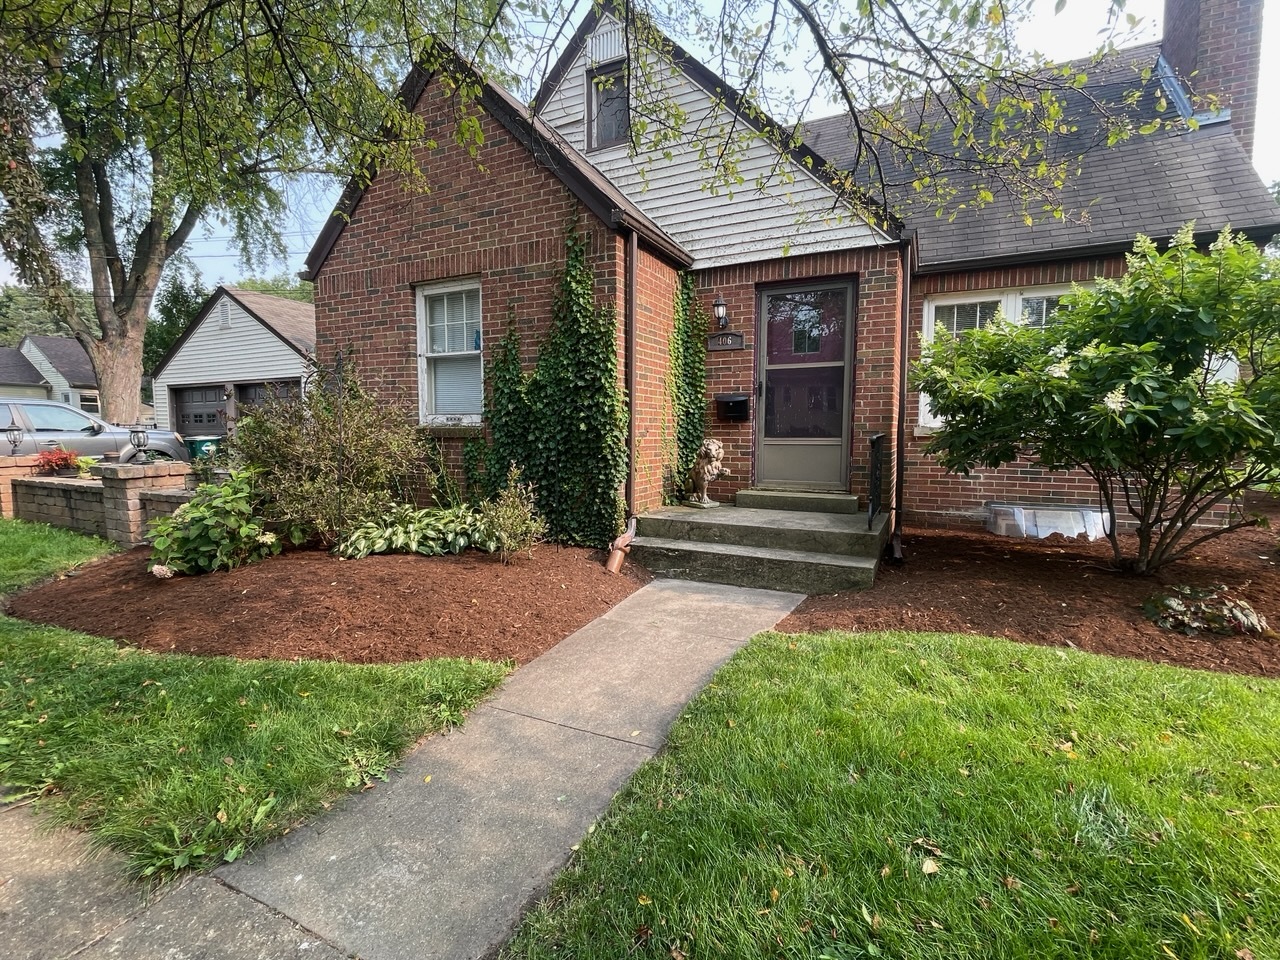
{"x":904,"y":340}
{"x":629,"y":354}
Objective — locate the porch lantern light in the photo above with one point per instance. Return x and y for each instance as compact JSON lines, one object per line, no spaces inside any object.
{"x":721,"y":311}
{"x":14,"y":435}
{"x":140,"y":439}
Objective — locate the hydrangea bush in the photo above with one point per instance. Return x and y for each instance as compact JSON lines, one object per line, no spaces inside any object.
{"x":1163,"y":386}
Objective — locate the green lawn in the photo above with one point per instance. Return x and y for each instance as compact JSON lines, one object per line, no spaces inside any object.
{"x":32,"y":551}
{"x":181,"y":761}
{"x":928,"y":796}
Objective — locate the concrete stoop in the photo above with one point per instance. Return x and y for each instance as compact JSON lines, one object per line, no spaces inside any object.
{"x":806,"y":543}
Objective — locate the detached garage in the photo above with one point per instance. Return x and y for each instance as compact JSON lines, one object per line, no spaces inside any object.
{"x":240,"y":347}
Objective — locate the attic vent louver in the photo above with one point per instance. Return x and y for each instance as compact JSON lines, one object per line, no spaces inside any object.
{"x":224,"y":313}
{"x":607,"y":43}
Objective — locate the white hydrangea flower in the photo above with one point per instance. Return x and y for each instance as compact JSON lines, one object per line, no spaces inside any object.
{"x":161,"y":571}
{"x":1059,"y":351}
{"x":1116,"y":400}
{"x":1199,"y":416}
{"x":267,"y":538}
{"x":1059,"y":370}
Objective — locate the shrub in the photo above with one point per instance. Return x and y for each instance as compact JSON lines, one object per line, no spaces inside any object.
{"x":1194,"y":610}
{"x":511,"y":522}
{"x":1130,"y":384}
{"x":215,"y":530}
{"x":51,"y":461}
{"x":334,"y":457}
{"x":404,"y":529}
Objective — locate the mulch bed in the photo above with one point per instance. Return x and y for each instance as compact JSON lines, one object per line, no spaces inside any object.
{"x":311,"y":605}
{"x":1060,"y":592}
{"x":384,"y":609}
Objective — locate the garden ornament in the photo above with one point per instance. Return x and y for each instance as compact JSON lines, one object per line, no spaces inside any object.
{"x":706,"y":467}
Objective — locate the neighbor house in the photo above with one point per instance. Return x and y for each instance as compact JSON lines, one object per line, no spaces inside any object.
{"x":19,"y":377}
{"x":65,"y":366}
{"x":240,"y":346}
{"x":825,"y":308}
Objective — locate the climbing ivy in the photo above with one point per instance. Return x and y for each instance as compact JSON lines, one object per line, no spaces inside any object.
{"x":564,"y":424}
{"x":686,"y":385}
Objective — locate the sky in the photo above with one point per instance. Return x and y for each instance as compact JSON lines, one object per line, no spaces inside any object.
{"x":1076,"y":32}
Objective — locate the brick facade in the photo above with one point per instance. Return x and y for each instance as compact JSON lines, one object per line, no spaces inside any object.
{"x":876,"y":358}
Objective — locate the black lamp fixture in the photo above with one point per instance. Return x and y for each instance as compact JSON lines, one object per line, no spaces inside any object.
{"x":14,"y":435}
{"x":721,"y":311}
{"x":140,"y":439}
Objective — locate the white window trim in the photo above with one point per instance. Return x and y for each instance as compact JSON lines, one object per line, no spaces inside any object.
{"x":591,"y":105}
{"x":1010,"y":307}
{"x":425,"y":386}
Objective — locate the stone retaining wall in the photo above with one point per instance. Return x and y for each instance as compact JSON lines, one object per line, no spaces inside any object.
{"x":115,"y":506}
{"x":13,"y":468}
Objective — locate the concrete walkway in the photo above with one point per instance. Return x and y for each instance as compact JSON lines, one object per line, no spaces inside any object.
{"x":440,"y":862}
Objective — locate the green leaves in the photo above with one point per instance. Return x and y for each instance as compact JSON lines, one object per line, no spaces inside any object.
{"x":215,"y":530}
{"x":1164,"y":386}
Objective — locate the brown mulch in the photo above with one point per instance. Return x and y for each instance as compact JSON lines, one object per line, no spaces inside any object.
{"x":1054,"y":592}
{"x":311,"y":605}
{"x":1060,"y":592}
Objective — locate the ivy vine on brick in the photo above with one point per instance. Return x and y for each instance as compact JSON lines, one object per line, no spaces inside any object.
{"x":686,"y":385}
{"x":564,"y":424}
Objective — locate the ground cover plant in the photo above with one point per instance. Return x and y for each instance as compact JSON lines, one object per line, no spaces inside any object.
{"x":33,"y":551}
{"x":180,"y":761}
{"x":846,"y":796}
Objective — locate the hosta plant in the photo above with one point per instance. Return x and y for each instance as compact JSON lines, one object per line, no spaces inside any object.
{"x":404,"y":529}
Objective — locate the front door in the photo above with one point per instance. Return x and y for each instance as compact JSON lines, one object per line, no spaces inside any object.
{"x":805,"y":374}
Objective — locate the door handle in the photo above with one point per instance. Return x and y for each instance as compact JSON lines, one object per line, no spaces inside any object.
{"x":759,"y":388}
{"x":49,"y":443}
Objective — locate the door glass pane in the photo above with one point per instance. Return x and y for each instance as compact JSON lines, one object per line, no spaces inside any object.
{"x":807,"y":326}
{"x":804,"y":403}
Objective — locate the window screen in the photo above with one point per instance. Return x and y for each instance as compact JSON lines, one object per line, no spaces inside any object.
{"x":609,"y":114}
{"x":1037,"y":311}
{"x":454,"y":368}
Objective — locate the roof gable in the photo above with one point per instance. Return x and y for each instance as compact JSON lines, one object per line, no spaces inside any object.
{"x":544,"y":145}
{"x":293,"y":322}
{"x":67,"y":357}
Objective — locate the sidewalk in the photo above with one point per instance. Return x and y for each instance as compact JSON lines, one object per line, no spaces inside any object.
{"x":441,"y":861}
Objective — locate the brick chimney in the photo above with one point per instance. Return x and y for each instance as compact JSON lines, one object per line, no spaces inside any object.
{"x":1220,"y":41}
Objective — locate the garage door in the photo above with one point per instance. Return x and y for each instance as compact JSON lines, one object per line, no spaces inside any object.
{"x":200,"y":410}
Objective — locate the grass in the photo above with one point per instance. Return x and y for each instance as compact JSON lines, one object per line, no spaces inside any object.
{"x":30,"y":552}
{"x":181,"y":761}
{"x":185,"y":762}
{"x":927,"y":796}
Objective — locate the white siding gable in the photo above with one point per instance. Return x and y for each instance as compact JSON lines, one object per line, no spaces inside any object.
{"x":241,"y":350}
{"x":778,"y":209}
{"x":58,"y":385}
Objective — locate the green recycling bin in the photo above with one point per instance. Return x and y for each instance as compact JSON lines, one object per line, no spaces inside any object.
{"x":203,"y":446}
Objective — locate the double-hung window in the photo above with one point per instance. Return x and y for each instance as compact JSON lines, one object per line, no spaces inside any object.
{"x":609,"y":114}
{"x":959,"y":313}
{"x":450,"y":369}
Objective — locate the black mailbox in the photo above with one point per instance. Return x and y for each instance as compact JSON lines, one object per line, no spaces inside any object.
{"x":734,"y":407}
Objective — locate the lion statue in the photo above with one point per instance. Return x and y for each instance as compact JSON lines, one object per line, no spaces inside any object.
{"x":707,"y":467}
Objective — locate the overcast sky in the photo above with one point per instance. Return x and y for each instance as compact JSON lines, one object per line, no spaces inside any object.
{"x":1076,"y":32}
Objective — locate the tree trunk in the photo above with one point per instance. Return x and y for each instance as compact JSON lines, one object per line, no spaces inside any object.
{"x":117,"y":360}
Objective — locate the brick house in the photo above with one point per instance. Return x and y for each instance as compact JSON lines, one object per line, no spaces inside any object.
{"x":825,"y":309}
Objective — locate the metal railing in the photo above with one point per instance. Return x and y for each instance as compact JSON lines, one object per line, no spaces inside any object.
{"x":875,"y":470}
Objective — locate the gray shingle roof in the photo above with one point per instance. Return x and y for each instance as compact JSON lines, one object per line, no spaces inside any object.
{"x":17,"y":370}
{"x":1147,"y":184}
{"x":292,"y":320}
{"x":68,"y":358}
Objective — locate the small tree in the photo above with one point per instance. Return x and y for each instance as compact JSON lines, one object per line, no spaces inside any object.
{"x":1163,"y":386}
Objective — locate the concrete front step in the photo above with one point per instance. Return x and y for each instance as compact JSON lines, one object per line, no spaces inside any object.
{"x":797,"y":500}
{"x":747,"y":566}
{"x":834,"y":533}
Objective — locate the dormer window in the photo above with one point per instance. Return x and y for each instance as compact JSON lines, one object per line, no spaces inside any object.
{"x":608,"y":118}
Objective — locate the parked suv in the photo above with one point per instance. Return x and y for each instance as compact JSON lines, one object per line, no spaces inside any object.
{"x":47,"y":425}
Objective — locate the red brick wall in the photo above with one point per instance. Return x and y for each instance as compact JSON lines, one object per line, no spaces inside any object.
{"x":501,"y":218}
{"x":655,"y":439}
{"x":876,"y":357}
{"x":1221,"y":42}
{"x":933,"y":497}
